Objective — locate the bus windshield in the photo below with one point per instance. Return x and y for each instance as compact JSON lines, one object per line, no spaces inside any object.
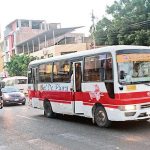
{"x":133,"y":67}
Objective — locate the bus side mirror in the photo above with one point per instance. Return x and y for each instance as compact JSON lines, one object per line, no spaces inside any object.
{"x":2,"y":84}
{"x":122,"y":75}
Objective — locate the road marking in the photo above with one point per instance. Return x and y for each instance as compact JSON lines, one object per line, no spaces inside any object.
{"x":33,"y":141}
{"x":3,"y":147}
{"x":87,"y":140}
{"x":7,"y":108}
{"x":44,"y":144}
{"x":26,"y":117}
{"x":10,"y":108}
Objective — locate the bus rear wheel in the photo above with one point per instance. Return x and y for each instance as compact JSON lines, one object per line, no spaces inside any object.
{"x":100,"y":117}
{"x":48,"y":112}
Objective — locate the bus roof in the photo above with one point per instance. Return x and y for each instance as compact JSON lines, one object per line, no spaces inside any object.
{"x":87,"y":52}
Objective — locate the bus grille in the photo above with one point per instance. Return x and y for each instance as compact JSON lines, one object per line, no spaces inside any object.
{"x":145,"y":106}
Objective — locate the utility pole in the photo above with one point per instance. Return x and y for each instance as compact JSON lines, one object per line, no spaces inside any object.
{"x":93,"y":28}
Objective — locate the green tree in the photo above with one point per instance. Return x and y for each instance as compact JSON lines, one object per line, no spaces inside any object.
{"x":18,"y":65}
{"x":129,"y":24}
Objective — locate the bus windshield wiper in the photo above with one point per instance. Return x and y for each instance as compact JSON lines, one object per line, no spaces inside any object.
{"x":148,"y":83}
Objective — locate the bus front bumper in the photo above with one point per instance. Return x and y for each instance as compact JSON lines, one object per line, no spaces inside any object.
{"x":138,"y":114}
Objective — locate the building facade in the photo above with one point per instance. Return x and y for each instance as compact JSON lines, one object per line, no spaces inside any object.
{"x":41,"y":39}
{"x":2,"y":73}
{"x":54,"y":42}
{"x":20,"y":30}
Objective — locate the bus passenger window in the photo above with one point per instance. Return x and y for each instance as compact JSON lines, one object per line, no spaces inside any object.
{"x":45,"y":72}
{"x":94,"y":68}
{"x":61,"y":71}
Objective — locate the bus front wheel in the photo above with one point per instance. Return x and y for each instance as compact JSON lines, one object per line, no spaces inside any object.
{"x":100,"y":117}
{"x":48,"y":112}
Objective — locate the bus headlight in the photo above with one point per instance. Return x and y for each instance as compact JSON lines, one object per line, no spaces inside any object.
{"x":127,"y":107}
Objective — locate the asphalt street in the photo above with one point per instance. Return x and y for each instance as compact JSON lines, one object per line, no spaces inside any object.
{"x":23,"y":127}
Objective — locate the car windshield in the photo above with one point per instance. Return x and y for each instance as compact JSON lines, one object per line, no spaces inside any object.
{"x":134,"y":68}
{"x":9,"y":90}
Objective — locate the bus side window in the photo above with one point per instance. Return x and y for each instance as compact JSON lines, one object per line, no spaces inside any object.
{"x":94,"y":68}
{"x":45,"y":72}
{"x":61,"y":71}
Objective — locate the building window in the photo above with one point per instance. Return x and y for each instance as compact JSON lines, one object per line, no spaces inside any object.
{"x":50,"y":55}
{"x":35,"y":25}
{"x":63,"y":53}
{"x":6,"y":42}
{"x":13,"y":52}
{"x":24,"y":23}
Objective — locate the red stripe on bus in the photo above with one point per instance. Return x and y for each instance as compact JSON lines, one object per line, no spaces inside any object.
{"x":67,"y":97}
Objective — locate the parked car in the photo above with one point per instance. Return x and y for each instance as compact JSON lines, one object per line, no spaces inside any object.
{"x":12,"y":95}
{"x":2,"y":85}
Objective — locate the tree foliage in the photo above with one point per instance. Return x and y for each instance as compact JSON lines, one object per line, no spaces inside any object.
{"x":18,"y":65}
{"x":129,"y":24}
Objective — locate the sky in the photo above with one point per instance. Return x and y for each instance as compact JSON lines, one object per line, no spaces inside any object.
{"x":69,"y":13}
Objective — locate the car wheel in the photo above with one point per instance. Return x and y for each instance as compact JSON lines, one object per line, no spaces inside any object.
{"x":23,"y":103}
{"x":48,"y":112}
{"x":100,"y":117}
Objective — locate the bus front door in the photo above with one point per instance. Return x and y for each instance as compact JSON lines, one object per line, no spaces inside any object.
{"x":35,"y":79}
{"x":77,"y":88}
{"x":35,"y":99}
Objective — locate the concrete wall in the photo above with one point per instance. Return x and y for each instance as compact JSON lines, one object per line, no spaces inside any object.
{"x":58,"y":49}
{"x":69,"y":48}
{"x":26,"y":33}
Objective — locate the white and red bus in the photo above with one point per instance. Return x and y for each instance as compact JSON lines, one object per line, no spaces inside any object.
{"x":106,"y":84}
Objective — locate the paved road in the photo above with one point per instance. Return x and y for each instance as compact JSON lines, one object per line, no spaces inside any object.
{"x":23,"y":127}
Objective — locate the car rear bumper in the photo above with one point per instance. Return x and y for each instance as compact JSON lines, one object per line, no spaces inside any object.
{"x":1,"y":104}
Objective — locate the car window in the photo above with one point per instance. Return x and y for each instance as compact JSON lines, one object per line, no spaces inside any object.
{"x":9,"y":89}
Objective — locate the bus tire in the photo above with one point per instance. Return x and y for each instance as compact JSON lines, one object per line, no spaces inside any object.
{"x":100,"y":117}
{"x":48,"y":112}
